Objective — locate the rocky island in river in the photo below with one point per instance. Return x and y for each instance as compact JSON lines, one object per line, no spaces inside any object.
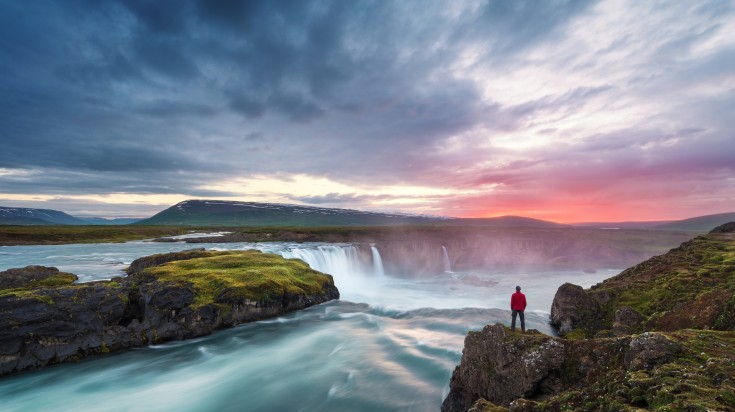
{"x":658,"y":336}
{"x":45,"y":318}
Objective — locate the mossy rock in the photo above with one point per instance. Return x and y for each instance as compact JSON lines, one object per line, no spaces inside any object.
{"x":701,"y":377}
{"x":690,"y":287}
{"x":483,"y":405}
{"x":34,"y":282}
{"x":242,"y":276}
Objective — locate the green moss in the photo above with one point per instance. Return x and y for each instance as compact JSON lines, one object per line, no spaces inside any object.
{"x":44,"y":290}
{"x":249,"y":275}
{"x":482,"y":405}
{"x":685,"y":276}
{"x":28,"y":294}
{"x":576,"y":334}
{"x":702,"y":378}
{"x":34,"y":235}
{"x":60,"y":279}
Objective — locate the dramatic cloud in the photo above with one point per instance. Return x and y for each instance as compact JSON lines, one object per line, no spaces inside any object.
{"x":565,"y":110}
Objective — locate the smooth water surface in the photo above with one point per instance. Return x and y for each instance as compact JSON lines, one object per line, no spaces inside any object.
{"x":390,"y":343}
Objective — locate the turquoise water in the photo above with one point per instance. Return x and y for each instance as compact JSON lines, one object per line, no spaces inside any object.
{"x":390,"y":343}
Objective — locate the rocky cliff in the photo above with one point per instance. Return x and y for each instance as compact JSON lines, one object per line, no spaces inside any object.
{"x":691,"y":286}
{"x":687,"y":370}
{"x":45,"y":318}
{"x":659,"y":336}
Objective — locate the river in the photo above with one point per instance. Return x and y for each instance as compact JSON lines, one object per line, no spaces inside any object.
{"x":389,"y":344}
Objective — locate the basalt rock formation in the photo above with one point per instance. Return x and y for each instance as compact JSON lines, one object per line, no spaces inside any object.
{"x":45,"y":318}
{"x":661,"y":335}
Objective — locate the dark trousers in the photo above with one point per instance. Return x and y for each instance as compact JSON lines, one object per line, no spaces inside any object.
{"x":523,"y":321}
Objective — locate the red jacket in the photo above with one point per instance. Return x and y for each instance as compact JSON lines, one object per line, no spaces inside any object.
{"x":518,"y":301}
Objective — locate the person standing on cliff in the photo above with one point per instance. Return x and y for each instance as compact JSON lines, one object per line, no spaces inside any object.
{"x":518,"y":305}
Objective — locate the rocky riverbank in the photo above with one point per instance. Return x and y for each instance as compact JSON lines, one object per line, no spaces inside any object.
{"x":45,"y":318}
{"x":659,"y":335}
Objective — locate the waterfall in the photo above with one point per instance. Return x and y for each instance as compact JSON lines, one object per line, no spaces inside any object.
{"x":338,"y":260}
{"x":335,"y":260}
{"x":447,"y":265}
{"x":358,"y":278}
{"x":377,"y":261}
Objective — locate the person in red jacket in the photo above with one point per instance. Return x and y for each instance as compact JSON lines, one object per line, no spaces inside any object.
{"x":518,"y":305}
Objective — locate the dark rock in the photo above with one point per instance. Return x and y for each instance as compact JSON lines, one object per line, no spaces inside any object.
{"x":56,"y":325}
{"x":573,"y":307}
{"x":627,"y":321}
{"x":523,"y":371}
{"x":500,"y":366}
{"x":22,"y":277}
{"x":726,"y":228}
{"x":650,"y":349}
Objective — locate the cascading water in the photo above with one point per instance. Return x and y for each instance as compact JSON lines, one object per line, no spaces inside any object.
{"x":358,"y":279}
{"x":377,"y":261}
{"x":447,"y":264}
{"x":335,"y":260}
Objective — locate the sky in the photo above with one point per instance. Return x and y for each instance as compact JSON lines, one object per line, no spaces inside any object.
{"x":562,"y":110}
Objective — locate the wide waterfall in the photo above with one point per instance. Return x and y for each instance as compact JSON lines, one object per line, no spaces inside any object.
{"x":330,"y":259}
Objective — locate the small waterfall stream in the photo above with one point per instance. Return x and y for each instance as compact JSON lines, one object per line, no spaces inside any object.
{"x":447,"y":264}
{"x":377,"y":261}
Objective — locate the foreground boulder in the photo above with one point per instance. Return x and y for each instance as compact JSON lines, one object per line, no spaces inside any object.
{"x":504,"y":370}
{"x":45,"y":318}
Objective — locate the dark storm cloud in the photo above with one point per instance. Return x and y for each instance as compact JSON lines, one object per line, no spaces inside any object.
{"x":166,"y":17}
{"x":72,"y":182}
{"x":169,"y":108}
{"x":165,"y":57}
{"x":165,"y":96}
{"x":508,"y":27}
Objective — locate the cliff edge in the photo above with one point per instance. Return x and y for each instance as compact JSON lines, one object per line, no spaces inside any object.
{"x":659,"y":336}
{"x":691,"y":286}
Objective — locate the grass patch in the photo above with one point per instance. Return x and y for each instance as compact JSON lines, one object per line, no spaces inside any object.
{"x":45,"y":289}
{"x":679,"y":279}
{"x":238,"y":275}
{"x":50,"y":235}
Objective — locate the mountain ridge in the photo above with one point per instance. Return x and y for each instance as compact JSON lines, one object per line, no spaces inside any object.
{"x":37,"y":216}
{"x":25,"y":216}
{"x":232,"y":213}
{"x":223,"y":213}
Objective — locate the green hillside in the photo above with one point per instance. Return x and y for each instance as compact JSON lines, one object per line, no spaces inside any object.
{"x":700,"y":223}
{"x":28,"y":216}
{"x":237,"y":214}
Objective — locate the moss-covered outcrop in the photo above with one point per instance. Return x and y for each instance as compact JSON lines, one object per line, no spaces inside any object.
{"x":659,"y":336}
{"x":45,"y":318}
{"x":691,"y":286}
{"x":686,"y":370}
